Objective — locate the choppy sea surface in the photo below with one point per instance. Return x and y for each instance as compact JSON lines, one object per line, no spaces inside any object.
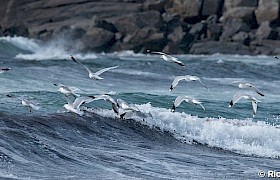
{"x":191,"y":143}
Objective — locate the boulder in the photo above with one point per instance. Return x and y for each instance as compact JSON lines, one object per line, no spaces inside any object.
{"x":246,"y":14}
{"x":228,"y":4}
{"x":267,"y":10}
{"x":128,"y":24}
{"x":186,"y":9}
{"x":177,"y":35}
{"x":266,"y":32}
{"x":211,"y":7}
{"x":214,"y":29}
{"x":242,"y":37}
{"x":97,"y":39}
{"x":199,"y":30}
{"x":233,"y":26}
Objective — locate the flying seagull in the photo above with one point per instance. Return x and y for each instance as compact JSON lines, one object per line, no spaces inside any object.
{"x":26,"y":103}
{"x":245,"y":85}
{"x":276,"y":57}
{"x":67,"y":91}
{"x":239,"y":95}
{"x":75,"y":106}
{"x":2,"y":70}
{"x":106,"y":97}
{"x":96,"y":75}
{"x":168,"y":58}
{"x":187,"y":78}
{"x":187,"y":99}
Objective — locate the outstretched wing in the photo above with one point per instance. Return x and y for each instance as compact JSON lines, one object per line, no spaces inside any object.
{"x":104,"y":70}
{"x":176,"y":81}
{"x":255,"y":106}
{"x":76,"y":61}
{"x":81,"y":100}
{"x":236,"y":98}
{"x":257,"y":91}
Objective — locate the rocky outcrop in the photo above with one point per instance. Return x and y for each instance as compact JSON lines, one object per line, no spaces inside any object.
{"x":172,"y":26}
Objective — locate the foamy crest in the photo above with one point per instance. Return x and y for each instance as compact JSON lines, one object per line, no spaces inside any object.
{"x":240,"y":136}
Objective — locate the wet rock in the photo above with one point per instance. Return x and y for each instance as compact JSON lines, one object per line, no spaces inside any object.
{"x":20,"y":30}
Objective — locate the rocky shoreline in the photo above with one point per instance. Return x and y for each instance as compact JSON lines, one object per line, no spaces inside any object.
{"x":173,"y":26}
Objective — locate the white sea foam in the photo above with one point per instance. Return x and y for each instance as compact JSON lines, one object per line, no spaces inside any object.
{"x":54,"y":50}
{"x":240,"y":136}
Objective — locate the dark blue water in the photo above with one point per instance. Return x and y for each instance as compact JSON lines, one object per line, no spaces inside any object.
{"x":218,"y":143}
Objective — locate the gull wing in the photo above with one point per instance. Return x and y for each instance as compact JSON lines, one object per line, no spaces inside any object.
{"x":178,"y":101}
{"x":257,"y":91}
{"x":104,"y":70}
{"x":198,"y":103}
{"x":255,"y":106}
{"x":81,"y":100}
{"x":170,"y":58}
{"x":176,"y":81}
{"x":236,"y":98}
{"x":76,"y":61}
{"x":195,"y":78}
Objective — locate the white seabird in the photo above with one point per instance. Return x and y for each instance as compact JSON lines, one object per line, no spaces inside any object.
{"x":67,"y":90}
{"x":2,"y":70}
{"x":187,"y":78}
{"x":75,"y":106}
{"x":245,"y":85}
{"x":187,"y":99}
{"x":106,"y":97}
{"x":239,"y":95}
{"x":27,"y":103}
{"x":168,"y":58}
{"x":96,"y":75}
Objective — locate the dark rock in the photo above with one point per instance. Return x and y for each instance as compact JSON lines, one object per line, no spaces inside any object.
{"x":266,"y":32}
{"x":211,"y":7}
{"x":246,"y":14}
{"x":98,"y":39}
{"x":172,"y":48}
{"x":214,"y":30}
{"x":105,"y":25}
{"x":228,"y":4}
{"x":189,"y":10}
{"x":199,"y":30}
{"x":187,"y":42}
{"x":233,"y":26}
{"x":212,"y":47}
{"x":20,"y":30}
{"x":127,"y":24}
{"x":177,"y":35}
{"x":242,"y":37}
{"x":267,"y":10}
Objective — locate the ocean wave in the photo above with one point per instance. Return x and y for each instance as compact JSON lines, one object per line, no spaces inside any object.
{"x":240,"y":136}
{"x":31,"y":49}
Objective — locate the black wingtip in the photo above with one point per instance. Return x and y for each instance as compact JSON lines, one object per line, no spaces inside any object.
{"x":8,"y":95}
{"x":261,"y":94}
{"x":231,"y":103}
{"x":173,"y":109}
{"x":73,"y":58}
{"x":171,"y":88}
